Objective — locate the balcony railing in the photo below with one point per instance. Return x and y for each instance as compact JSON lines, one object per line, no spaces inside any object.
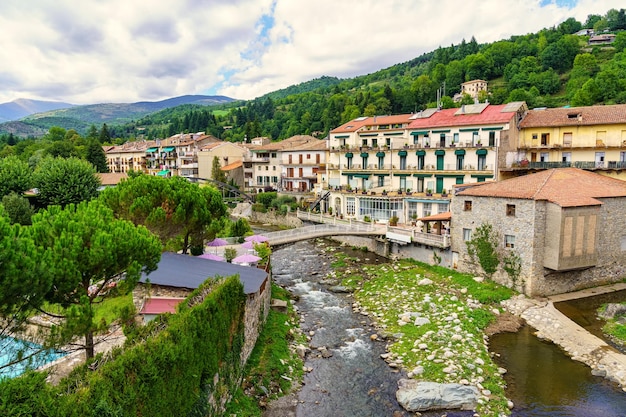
{"x":574,"y":164}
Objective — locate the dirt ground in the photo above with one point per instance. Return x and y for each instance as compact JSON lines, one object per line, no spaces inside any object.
{"x":506,"y":322}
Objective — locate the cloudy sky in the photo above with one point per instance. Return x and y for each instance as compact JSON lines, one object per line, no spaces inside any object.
{"x":95,"y":51}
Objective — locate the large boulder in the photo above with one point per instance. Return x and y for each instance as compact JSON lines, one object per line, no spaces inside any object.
{"x":612,"y":310}
{"x":422,"y":396}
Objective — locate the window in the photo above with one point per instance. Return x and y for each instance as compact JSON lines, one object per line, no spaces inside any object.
{"x":467,"y":234}
{"x":364,"y":142}
{"x":381,"y":162}
{"x":412,"y":209}
{"x":492,"y":138}
{"x":420,"y":162}
{"x":273,"y":154}
{"x":420,"y":185}
{"x":459,"y":162}
{"x":349,"y":162}
{"x":509,"y":241}
{"x":274,"y":168}
{"x":455,"y":138}
{"x":535,"y":136}
{"x":381,"y":181}
{"x":482,"y":162}
{"x":428,"y":208}
{"x":544,"y":157}
{"x":259,"y":180}
{"x":467,"y":205}
{"x":267,"y":168}
{"x":308,"y":156}
{"x":545,"y":139}
{"x":567,"y":139}
{"x":510,"y":210}
{"x":403,"y":162}
{"x":274,"y":179}
{"x":442,"y":207}
{"x":350,"y":206}
{"x":374,"y":143}
{"x":403,"y":183}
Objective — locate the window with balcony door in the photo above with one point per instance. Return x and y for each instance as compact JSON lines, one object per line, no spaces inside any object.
{"x":567,"y":139}
{"x":381,"y":181}
{"x":364,"y":162}
{"x":492,"y":138}
{"x":350,"y":206}
{"x":420,"y":185}
{"x":482,"y":162}
{"x":374,"y":143}
{"x":544,"y":157}
{"x":349,"y":163}
{"x":545,"y":139}
{"x":420,"y":162}
{"x":290,"y":158}
{"x":364,"y":142}
{"x":403,"y":162}
{"x":381,"y":162}
{"x":300,"y":158}
{"x":459,"y":162}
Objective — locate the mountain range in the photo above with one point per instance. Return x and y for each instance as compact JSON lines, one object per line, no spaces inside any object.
{"x":24,"y":117}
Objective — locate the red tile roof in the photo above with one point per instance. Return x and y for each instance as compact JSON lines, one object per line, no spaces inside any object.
{"x":361,"y":122}
{"x":160,"y":305}
{"x":566,"y":187}
{"x":437,"y":217}
{"x":232,"y":166}
{"x":111,"y":178}
{"x":492,"y":114}
{"x":575,"y":116}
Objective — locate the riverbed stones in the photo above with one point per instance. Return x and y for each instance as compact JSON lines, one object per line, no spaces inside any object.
{"x":414,"y":395}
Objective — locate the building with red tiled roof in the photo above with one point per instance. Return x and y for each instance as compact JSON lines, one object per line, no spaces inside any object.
{"x":558,"y":230}
{"x":418,"y":156}
{"x":591,"y":138}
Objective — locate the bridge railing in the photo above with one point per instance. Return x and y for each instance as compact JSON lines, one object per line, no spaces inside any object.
{"x":334,"y":220}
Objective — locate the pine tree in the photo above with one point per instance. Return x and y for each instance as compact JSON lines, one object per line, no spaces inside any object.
{"x":95,"y":154}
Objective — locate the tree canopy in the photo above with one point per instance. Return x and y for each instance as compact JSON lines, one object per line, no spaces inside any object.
{"x":63,"y":181}
{"x":89,"y":253}
{"x":174,"y":209}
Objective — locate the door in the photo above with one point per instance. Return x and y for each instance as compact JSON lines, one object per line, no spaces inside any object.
{"x":439,"y":185}
{"x":440,"y":162}
{"x":599,"y":159}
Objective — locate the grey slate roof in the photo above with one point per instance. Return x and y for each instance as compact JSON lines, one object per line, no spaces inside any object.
{"x":184,"y":271}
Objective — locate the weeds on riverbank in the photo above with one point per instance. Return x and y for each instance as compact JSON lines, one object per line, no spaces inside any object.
{"x":273,"y":367}
{"x":615,"y":329}
{"x":434,"y":319}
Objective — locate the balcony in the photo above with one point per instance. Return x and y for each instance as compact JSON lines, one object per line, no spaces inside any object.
{"x":256,"y":159}
{"x":588,"y":165}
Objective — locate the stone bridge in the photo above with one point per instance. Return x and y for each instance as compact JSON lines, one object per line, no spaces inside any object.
{"x":321,"y":230}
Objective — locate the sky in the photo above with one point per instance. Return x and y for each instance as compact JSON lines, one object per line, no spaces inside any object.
{"x":123,"y":51}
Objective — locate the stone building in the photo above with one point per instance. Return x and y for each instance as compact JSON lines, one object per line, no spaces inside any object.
{"x":567,"y":228}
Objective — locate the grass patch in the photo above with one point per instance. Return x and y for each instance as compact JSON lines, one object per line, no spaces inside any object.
{"x":455,"y":309}
{"x":272,"y":361}
{"x":109,"y":309}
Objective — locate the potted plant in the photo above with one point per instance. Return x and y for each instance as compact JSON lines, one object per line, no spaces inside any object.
{"x":429,"y":191}
{"x":409,"y":192}
{"x":444,"y":193}
{"x":399,"y":191}
{"x":414,"y":219}
{"x":479,"y":143}
{"x":384,"y":192}
{"x":393,"y":221}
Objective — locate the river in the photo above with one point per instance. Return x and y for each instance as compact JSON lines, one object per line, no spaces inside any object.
{"x":348,"y":377}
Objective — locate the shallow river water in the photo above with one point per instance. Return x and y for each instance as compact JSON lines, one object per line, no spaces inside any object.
{"x":349,"y":378}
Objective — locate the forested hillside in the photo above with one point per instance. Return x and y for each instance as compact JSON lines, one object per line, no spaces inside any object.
{"x":555,"y":67}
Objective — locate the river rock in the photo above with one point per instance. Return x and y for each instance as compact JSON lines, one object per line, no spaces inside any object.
{"x":414,"y":395}
{"x":425,"y":281}
{"x":339,"y":289}
{"x":612,"y":310}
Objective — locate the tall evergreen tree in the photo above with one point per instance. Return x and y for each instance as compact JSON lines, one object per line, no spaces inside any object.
{"x":95,"y":154}
{"x":104,"y":136}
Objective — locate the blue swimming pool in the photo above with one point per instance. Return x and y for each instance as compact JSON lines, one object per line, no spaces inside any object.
{"x":12,"y":349}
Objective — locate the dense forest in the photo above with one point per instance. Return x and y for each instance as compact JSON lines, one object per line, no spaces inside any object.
{"x":551,"y":68}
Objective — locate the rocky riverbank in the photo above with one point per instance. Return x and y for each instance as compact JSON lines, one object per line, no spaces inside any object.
{"x":581,"y":345}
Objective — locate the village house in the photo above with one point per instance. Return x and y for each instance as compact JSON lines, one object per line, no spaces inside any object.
{"x":592,"y":138}
{"x":227,"y":154}
{"x":565,"y":228}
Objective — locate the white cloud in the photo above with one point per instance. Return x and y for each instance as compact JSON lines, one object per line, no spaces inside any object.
{"x":124,"y":51}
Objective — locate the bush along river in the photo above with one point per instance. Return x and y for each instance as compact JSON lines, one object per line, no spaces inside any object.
{"x":410,"y":322}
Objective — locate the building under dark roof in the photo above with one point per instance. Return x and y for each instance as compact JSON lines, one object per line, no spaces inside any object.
{"x":184,"y":271}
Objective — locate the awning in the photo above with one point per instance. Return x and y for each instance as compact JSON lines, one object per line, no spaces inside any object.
{"x":440,"y":217}
{"x":348,"y":154}
{"x":368,"y":135}
{"x":150,"y":150}
{"x":421,"y":132}
{"x":393,"y":134}
{"x":422,"y":175}
{"x":400,"y":174}
{"x":440,"y":152}
{"x":481,"y":152}
{"x":442,"y":131}
{"x":492,"y":128}
{"x":164,"y":172}
{"x":402,"y":153}
{"x":471,"y":129}
{"x":482,"y":175}
{"x":364,"y":154}
{"x":381,"y":175}
{"x":420,"y":152}
{"x":459,"y":152}
{"x":380,"y":154}
{"x":342,"y":136}
{"x":361,"y":175}
{"x":169,"y":148}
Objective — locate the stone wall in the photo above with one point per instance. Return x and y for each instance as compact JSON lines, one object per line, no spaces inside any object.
{"x":531,"y":230}
{"x":290,"y":220}
{"x":257,"y":309}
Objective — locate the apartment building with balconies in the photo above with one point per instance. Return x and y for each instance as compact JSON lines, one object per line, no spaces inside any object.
{"x":591,"y":138}
{"x":301,"y":164}
{"x":406,"y":165}
{"x":131,"y":156}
